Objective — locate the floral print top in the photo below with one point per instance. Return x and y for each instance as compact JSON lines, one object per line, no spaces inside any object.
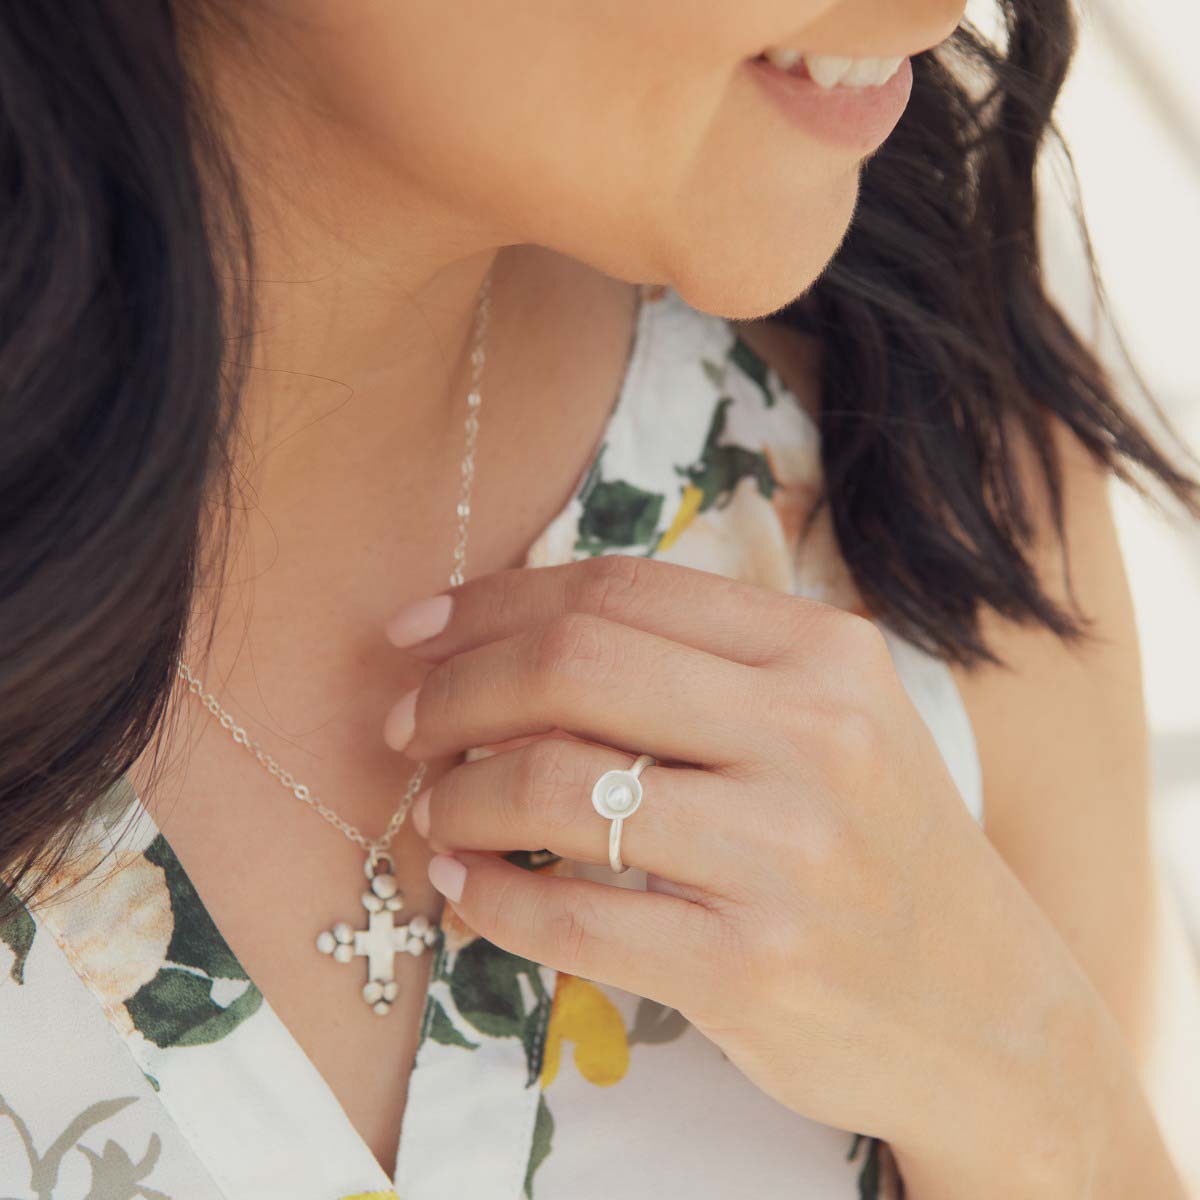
{"x":138,"y":1060}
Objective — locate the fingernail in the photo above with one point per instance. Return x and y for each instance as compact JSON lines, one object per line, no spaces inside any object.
{"x":419,"y":620}
{"x":401,"y":721}
{"x":448,"y":875}
{"x":420,"y":813}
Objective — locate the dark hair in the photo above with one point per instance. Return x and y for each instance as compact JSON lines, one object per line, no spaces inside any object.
{"x":118,"y":290}
{"x":942,"y":346}
{"x":124,"y":241}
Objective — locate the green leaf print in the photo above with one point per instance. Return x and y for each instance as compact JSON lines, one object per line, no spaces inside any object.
{"x":615,"y":513}
{"x":753,"y":367}
{"x":16,"y":931}
{"x":440,"y":971}
{"x":655,"y":1024}
{"x":195,"y":941}
{"x":176,"y":1008}
{"x":543,"y":1132}
{"x":485,"y":986}
{"x":441,"y":1028}
{"x":721,"y":467}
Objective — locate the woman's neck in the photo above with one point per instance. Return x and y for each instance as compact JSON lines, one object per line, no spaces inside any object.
{"x":345,"y":509}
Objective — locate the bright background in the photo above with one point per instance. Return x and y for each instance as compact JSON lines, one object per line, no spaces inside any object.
{"x":1131,"y":117}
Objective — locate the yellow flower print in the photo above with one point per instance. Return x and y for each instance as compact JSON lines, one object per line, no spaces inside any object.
{"x":689,"y":506}
{"x":742,"y":540}
{"x":583,"y":1014}
{"x":123,"y":891}
{"x":456,"y":932}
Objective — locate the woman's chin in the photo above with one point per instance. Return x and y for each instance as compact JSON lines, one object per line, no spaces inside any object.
{"x":745,"y":280}
{"x":749,"y":297}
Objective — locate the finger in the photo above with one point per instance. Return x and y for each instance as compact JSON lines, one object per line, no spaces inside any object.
{"x":512,"y":743}
{"x":722,"y":616}
{"x":649,"y":943}
{"x":540,"y":797}
{"x":592,"y":677}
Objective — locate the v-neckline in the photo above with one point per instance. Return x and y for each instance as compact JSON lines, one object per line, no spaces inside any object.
{"x":275,"y":1080}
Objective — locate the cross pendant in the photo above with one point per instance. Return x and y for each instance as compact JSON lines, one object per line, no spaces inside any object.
{"x":381,"y":941}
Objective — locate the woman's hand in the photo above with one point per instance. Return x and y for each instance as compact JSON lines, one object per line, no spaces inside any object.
{"x":822,"y":905}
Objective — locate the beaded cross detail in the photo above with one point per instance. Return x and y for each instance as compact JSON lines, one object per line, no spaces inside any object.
{"x":380,"y":942}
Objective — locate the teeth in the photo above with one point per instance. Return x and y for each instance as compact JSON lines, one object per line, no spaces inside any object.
{"x":863,"y":73}
{"x":784,"y":59}
{"x":830,"y":71}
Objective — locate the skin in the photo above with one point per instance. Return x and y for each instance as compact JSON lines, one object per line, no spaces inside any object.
{"x":814,"y":843}
{"x":389,"y":161}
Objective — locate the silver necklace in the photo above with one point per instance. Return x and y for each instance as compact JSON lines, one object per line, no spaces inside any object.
{"x":383,"y":938}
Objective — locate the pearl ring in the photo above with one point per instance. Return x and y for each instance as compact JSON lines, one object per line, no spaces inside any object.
{"x":615,"y":796}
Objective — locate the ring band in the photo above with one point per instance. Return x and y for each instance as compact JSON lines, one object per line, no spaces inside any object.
{"x":617,"y":795}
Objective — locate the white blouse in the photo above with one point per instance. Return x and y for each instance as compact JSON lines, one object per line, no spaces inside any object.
{"x":138,"y":1059}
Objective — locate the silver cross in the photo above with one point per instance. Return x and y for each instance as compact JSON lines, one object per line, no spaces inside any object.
{"x":380,"y":942}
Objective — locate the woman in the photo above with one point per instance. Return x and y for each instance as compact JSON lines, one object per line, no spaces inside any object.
{"x":729,"y":319}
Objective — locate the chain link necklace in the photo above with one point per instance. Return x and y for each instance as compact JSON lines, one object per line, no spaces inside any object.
{"x":383,"y":938}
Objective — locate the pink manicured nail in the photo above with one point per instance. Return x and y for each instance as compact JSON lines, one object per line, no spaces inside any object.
{"x":419,"y":620}
{"x":401,"y":721}
{"x":420,"y":813}
{"x":447,"y":875}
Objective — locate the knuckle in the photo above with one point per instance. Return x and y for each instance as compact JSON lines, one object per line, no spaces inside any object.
{"x":571,"y":931}
{"x":442,"y":688}
{"x":842,"y":743}
{"x":826,"y":852}
{"x":842,"y":731}
{"x":607,"y":583}
{"x":794,"y":618}
{"x":443,"y":809}
{"x":764,"y":954}
{"x":794,"y":716}
{"x":510,"y":592}
{"x":721,"y":1008}
{"x":859,"y":643}
{"x":850,"y":736}
{"x":572,"y":644}
{"x":543,"y":780}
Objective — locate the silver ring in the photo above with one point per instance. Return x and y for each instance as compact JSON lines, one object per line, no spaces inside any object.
{"x":617,"y":795}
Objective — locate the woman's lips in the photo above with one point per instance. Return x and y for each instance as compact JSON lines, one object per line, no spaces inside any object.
{"x":856,"y":118}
